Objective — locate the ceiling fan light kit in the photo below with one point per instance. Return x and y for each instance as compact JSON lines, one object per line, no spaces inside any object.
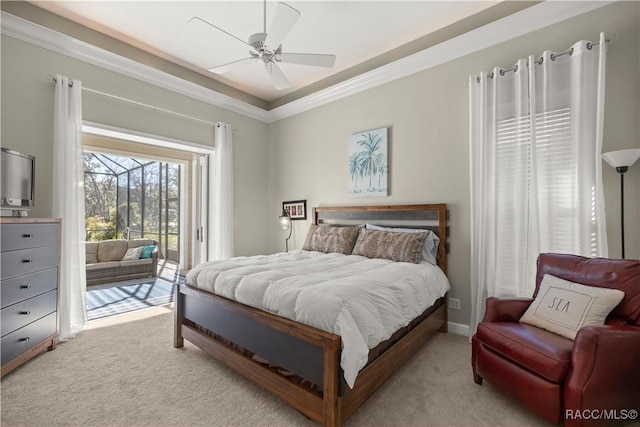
{"x":267,"y":47}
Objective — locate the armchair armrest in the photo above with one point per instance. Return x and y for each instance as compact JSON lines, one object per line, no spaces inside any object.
{"x":604,"y":374}
{"x":505,"y":310}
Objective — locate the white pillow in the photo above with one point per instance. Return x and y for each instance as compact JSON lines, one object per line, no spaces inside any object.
{"x":131,"y":254}
{"x":563,"y":307}
{"x":429,"y":250}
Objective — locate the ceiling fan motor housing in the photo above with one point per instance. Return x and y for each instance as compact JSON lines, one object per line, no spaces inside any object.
{"x":257,"y":41}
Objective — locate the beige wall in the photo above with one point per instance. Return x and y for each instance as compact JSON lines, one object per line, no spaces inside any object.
{"x":27,"y":123}
{"x":427,"y":114}
{"x":305,"y":156}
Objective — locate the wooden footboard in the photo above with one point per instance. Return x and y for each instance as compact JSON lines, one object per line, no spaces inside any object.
{"x":311,"y":353}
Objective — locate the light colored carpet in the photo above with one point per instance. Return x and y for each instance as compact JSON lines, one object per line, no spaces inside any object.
{"x":129,"y":374}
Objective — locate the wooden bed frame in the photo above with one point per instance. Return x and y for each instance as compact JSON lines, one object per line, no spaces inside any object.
{"x":311,"y":354}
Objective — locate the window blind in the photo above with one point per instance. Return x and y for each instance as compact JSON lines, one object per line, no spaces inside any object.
{"x":547,"y":147}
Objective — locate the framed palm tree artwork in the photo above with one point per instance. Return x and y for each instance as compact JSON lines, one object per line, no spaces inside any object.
{"x":368,"y":163}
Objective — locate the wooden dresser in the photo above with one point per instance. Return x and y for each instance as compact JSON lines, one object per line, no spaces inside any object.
{"x":30,"y":256}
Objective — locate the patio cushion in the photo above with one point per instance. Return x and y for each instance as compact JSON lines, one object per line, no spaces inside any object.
{"x":100,"y":265}
{"x":111,"y":250}
{"x":91,"y":252}
{"x":136,"y":262}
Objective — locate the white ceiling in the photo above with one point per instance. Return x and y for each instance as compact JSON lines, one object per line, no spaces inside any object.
{"x":354,"y":31}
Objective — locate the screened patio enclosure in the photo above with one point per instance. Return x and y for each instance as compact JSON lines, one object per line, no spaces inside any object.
{"x":128,"y":198}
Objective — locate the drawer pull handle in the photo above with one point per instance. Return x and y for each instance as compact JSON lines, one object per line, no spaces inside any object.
{"x":25,"y":312}
{"x":25,"y":286}
{"x":27,"y":236}
{"x":24,"y":339}
{"x":28,"y":261}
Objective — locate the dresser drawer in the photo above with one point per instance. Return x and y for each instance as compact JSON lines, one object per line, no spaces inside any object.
{"x":29,"y":285}
{"x":23,"y":339}
{"x":18,"y":315}
{"x":24,"y":261}
{"x":22,"y":236}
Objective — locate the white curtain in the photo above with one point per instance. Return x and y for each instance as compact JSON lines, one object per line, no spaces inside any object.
{"x":535,"y":135}
{"x":68,"y":204}
{"x":221,"y":195}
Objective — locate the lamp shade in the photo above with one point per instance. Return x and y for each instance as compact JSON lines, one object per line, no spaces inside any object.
{"x":622,"y":158}
{"x":285,"y":221}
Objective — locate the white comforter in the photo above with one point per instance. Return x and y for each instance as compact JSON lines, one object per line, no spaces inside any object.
{"x":363,"y":300}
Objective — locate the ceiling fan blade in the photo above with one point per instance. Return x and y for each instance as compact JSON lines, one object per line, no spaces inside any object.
{"x":225,"y":68}
{"x":282,"y":23}
{"x":315,"y":59}
{"x":278,"y":78}
{"x":219,"y":29}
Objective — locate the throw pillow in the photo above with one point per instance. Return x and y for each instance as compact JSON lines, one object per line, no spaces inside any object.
{"x":401,"y":247}
{"x":147,"y":252}
{"x":429,"y":251}
{"x":131,"y":254}
{"x":563,"y":307}
{"x":328,"y":239}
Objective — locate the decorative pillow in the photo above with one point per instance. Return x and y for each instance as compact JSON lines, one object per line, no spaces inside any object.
{"x":429,"y":251}
{"x":563,"y":307}
{"x":326,"y":238}
{"x":147,"y":252}
{"x":402,"y":247}
{"x":132,"y":253}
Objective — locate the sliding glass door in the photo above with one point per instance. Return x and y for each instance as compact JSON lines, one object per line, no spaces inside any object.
{"x":201,"y":193}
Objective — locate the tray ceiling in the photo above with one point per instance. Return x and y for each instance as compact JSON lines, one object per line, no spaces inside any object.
{"x":354,"y":31}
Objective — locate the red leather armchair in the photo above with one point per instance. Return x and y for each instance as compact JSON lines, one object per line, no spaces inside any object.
{"x":583,"y":382}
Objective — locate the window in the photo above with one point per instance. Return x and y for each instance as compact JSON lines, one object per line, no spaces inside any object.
{"x":536,"y":184}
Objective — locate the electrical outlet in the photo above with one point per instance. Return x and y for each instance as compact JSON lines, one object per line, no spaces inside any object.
{"x":454,"y":303}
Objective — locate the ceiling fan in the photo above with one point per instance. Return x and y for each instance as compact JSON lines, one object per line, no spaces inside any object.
{"x":267,"y":47}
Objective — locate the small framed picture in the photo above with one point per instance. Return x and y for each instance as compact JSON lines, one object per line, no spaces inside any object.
{"x":296,"y":209}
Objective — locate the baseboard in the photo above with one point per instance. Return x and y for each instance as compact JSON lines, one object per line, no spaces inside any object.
{"x":458,"y":329}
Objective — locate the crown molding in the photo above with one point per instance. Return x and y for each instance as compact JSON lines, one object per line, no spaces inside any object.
{"x":37,"y":35}
{"x":520,"y":23}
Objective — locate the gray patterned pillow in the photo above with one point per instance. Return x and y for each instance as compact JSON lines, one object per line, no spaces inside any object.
{"x":325,"y":238}
{"x":402,"y":247}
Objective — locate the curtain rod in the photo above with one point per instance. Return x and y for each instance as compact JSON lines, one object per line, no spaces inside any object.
{"x":141,"y":104}
{"x":540,"y":60}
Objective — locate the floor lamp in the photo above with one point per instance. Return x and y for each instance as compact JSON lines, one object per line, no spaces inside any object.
{"x":622,"y":160}
{"x":285,"y":224}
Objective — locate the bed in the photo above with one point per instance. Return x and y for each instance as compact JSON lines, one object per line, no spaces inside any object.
{"x":300,"y":363}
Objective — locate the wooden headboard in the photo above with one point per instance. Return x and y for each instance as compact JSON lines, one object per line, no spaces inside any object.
{"x":432,"y":217}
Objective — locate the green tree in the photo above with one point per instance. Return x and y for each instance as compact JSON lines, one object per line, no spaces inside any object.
{"x":371,"y":161}
{"x":99,"y":228}
{"x":100,"y":188}
{"x":355,"y":170}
